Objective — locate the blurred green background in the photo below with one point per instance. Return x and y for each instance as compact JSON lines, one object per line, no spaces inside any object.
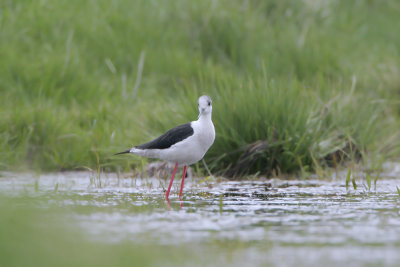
{"x":296,"y":85}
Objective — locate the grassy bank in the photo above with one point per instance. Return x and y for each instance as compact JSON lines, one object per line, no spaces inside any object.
{"x":295,"y":84}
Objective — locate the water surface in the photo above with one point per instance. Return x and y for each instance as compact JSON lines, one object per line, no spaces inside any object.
{"x":276,"y":222}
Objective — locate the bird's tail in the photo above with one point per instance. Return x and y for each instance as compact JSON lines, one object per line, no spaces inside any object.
{"x":123,"y":152}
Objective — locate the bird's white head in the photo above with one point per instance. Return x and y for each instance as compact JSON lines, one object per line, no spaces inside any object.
{"x":205,"y":105}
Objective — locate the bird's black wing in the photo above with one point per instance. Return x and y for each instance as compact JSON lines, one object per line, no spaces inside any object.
{"x":169,"y":138}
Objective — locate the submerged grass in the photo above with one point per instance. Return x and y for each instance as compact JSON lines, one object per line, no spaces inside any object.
{"x":295,"y":84}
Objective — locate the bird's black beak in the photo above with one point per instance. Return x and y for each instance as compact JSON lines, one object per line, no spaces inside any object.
{"x":123,"y":152}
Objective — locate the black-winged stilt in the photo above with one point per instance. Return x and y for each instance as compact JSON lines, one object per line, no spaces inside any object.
{"x":182,"y":145}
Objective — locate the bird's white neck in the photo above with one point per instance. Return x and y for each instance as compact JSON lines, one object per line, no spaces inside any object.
{"x":204,"y":117}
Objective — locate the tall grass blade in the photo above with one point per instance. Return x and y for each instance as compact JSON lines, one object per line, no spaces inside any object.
{"x":55,"y":188}
{"x":348,"y":177}
{"x":354,"y":183}
{"x":36,"y":185}
{"x":376,"y":180}
{"x":368,"y":177}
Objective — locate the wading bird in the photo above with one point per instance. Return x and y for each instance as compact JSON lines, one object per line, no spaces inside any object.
{"x":182,"y":145}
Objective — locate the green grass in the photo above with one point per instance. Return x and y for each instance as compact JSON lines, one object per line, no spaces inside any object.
{"x":295,"y":84}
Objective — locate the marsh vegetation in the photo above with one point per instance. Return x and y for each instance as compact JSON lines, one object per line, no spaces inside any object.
{"x":296,"y":84}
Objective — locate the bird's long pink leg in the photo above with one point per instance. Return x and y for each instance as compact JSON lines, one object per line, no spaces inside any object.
{"x":183,"y":181}
{"x":170,"y":183}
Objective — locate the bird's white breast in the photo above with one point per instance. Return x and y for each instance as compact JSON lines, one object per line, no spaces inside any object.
{"x":193,"y":148}
{"x":204,"y":132}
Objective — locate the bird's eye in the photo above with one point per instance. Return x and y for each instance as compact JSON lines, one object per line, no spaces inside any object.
{"x":209,"y":103}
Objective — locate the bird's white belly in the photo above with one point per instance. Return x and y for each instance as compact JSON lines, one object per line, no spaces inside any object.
{"x":187,"y":152}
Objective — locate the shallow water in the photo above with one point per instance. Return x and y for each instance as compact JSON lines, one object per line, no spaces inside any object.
{"x":296,"y":222}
